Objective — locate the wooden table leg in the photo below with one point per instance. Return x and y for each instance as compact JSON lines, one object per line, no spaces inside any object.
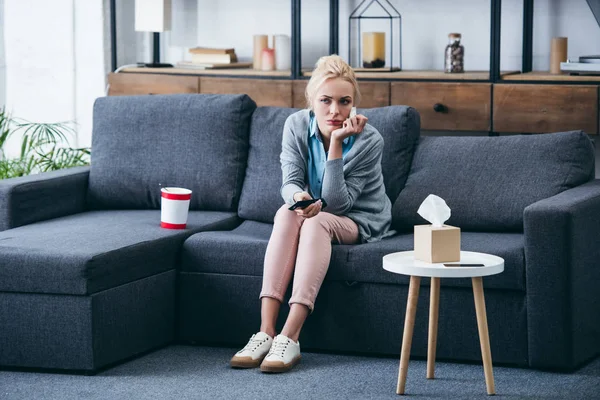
{"x":434,"y":302}
{"x":484,"y":338}
{"x":409,"y":324}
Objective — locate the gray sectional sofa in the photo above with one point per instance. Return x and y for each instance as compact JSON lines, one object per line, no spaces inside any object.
{"x":88,"y":278}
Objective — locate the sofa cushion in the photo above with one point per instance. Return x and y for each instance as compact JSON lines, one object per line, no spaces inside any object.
{"x":240,"y":251}
{"x":365,"y":264}
{"x":400,"y":127}
{"x":92,"y":251}
{"x":195,"y":141}
{"x":488,"y":181}
{"x":261,"y":198}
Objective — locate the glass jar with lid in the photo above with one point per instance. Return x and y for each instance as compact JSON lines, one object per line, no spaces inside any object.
{"x":454,"y":54}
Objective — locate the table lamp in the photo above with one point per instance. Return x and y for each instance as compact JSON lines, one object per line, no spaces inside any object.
{"x":153,"y":16}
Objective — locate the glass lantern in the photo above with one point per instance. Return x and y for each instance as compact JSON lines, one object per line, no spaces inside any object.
{"x":379,"y":46}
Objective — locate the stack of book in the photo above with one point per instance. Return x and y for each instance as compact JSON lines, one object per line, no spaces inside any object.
{"x":207,"y":58}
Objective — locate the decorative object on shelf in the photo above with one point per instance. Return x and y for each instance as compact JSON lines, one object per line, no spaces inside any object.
{"x":374,"y":43}
{"x":203,"y":55}
{"x":153,"y":16}
{"x":267,"y":61}
{"x":558,"y":53}
{"x":283,"y":54}
{"x":193,"y":65}
{"x":373,"y":54}
{"x":212,"y":58}
{"x":454,"y":55}
{"x":261,"y":42}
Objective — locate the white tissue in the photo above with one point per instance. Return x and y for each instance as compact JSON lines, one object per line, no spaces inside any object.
{"x":435,"y":210}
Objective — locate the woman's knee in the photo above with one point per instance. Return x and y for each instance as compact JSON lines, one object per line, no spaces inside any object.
{"x":316,"y":223}
{"x":284,"y":214}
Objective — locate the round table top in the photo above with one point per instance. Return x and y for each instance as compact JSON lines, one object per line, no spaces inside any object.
{"x":404,"y":263}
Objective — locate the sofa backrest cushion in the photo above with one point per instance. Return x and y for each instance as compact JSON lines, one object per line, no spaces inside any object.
{"x":488,"y":181}
{"x":195,"y":141}
{"x":261,"y":198}
{"x":400,"y":127}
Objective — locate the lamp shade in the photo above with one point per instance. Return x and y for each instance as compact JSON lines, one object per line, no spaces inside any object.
{"x":152,"y":15}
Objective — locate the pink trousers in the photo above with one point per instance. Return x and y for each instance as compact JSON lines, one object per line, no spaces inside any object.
{"x":302,"y":246}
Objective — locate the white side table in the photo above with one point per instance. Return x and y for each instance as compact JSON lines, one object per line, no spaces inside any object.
{"x":404,"y":263}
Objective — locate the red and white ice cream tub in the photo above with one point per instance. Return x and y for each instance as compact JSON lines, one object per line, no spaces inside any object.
{"x":174,"y":206}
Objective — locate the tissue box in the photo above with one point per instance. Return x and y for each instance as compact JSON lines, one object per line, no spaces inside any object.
{"x":437,"y":245}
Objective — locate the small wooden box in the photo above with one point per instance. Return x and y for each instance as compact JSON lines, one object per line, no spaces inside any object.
{"x":437,"y":245}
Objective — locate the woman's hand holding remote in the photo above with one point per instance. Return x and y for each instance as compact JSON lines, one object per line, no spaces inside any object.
{"x":309,"y":211}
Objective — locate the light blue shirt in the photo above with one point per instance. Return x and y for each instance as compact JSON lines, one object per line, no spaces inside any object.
{"x":317,"y":157}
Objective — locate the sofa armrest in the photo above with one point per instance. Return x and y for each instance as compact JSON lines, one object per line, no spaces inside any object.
{"x":42,"y":196}
{"x":562,"y":259}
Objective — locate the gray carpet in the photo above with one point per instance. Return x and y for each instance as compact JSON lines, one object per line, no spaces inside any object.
{"x":189,"y":372}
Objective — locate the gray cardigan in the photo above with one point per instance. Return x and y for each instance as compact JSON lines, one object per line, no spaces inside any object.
{"x":352,"y":186}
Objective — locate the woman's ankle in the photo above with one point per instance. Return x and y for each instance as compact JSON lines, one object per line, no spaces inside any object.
{"x":269,"y":331}
{"x":291,"y":335}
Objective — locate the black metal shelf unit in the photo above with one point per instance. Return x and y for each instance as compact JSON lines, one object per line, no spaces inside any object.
{"x":113,"y":36}
{"x":527,"y":36}
{"x":495,"y":32}
{"x":295,"y":39}
{"x":296,"y":56}
{"x":334,"y":23}
{"x":527,"y":53}
{"x":495,"y":24}
{"x":296,"y":49}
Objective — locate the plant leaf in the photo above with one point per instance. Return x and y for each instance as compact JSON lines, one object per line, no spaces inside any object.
{"x":44,"y":147}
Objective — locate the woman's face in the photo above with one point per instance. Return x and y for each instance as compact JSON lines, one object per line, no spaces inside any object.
{"x":332,"y":104}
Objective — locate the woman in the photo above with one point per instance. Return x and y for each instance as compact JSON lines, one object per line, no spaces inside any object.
{"x":330,"y":154}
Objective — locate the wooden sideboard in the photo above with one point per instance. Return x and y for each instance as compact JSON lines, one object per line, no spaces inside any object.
{"x":514,"y":105}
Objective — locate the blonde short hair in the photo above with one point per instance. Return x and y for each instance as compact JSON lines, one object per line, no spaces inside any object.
{"x":329,"y":67}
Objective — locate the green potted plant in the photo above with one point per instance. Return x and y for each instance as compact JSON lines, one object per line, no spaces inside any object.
{"x":44,"y":147}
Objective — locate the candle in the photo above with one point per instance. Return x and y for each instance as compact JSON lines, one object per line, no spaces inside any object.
{"x":558,"y":53}
{"x":267,"y":62}
{"x":260,"y":42}
{"x":373,"y":49}
{"x":281,"y":44}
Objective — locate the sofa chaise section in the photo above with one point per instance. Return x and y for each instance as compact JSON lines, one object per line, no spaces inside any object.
{"x":87,"y":275}
{"x":79,"y":291}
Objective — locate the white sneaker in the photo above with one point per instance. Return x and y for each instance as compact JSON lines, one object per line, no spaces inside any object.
{"x":284,"y":354}
{"x":254,"y":352}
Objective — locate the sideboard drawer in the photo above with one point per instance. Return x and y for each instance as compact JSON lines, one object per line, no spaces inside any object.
{"x":545,"y":108}
{"x":374,"y":94}
{"x":298,"y":93}
{"x":135,"y":84}
{"x":447,"y":106}
{"x":265,"y":92}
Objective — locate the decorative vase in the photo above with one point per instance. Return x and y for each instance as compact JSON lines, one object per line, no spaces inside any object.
{"x":281,"y":44}
{"x":261,"y":42}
